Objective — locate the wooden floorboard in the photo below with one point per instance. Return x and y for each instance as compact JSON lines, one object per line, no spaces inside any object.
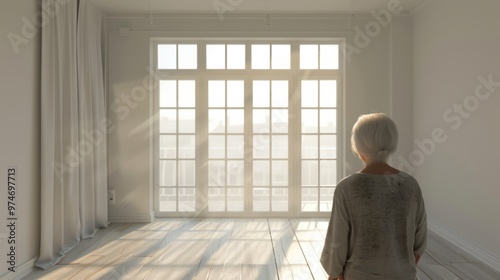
{"x":243,"y":249}
{"x":311,"y":240}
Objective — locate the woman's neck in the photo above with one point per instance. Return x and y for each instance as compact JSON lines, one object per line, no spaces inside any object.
{"x":379,"y":168}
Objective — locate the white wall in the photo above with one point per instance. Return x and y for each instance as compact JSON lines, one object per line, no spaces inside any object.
{"x":455,"y":42}
{"x":374,"y":77}
{"x":401,"y":86}
{"x":129,"y":143}
{"x":20,"y":129}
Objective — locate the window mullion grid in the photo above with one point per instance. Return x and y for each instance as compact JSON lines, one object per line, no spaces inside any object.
{"x":319,"y":56}
{"x":177,"y":142}
{"x":202,"y":55}
{"x":296,"y":192}
{"x":225,"y":144}
{"x":248,"y":140}
{"x":270,"y":139}
{"x":318,"y":141}
{"x":293,"y":143}
{"x":157,"y":155}
{"x":177,"y":56}
{"x":202,"y":134}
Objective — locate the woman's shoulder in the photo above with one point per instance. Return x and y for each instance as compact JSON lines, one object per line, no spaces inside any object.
{"x":401,"y":178}
{"x":349,"y":181}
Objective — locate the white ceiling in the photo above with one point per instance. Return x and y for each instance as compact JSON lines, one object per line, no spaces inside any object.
{"x":208,"y":7}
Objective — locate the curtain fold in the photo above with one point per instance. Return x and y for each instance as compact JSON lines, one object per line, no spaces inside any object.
{"x":73,"y":145}
{"x":92,"y":117}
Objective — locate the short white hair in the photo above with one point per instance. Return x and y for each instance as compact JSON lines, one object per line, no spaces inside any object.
{"x":374,"y":136}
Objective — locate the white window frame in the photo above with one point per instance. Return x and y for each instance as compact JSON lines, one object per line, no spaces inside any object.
{"x":202,"y":75}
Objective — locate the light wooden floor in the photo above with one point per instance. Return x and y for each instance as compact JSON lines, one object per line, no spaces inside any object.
{"x":227,"y":249}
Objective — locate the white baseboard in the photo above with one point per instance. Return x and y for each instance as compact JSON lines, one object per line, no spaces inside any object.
{"x":21,"y":271}
{"x":132,"y":219}
{"x":468,"y":248}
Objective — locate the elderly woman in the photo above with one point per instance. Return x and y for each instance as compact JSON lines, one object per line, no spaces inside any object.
{"x":378,"y":227}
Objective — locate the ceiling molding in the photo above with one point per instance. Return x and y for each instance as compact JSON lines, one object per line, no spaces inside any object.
{"x":228,"y":7}
{"x":243,"y":16}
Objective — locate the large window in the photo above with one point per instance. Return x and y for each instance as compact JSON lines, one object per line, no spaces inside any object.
{"x":246,"y":127}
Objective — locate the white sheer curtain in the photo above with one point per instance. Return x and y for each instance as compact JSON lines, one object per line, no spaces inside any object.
{"x":73,"y":129}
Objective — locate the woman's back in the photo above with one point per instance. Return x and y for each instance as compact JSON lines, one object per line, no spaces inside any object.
{"x":380,"y":216}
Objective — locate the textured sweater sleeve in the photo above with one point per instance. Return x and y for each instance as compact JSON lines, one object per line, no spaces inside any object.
{"x":421,"y":228}
{"x":335,"y":250}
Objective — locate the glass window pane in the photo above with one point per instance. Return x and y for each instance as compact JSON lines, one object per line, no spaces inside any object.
{"x":280,"y":146}
{"x":216,"y":146}
{"x":235,"y":146}
{"x":281,"y":56}
{"x":308,"y":56}
{"x":260,"y":56}
{"x":168,"y":173}
{"x":216,"y":93}
{"x":186,"y":173}
{"x":235,"y":173}
{"x":260,"y":121}
{"x":328,"y":93}
{"x":186,"y":199}
{"x":261,"y":173}
{"x":261,"y":92}
{"x":168,"y":199}
{"x":279,"y":120}
{"x":280,"y":173}
{"x":261,"y":146}
{"x":235,"y":200}
{"x":187,"y":121}
{"x":188,"y":56}
{"x":279,"y":96}
{"x":216,"y":199}
{"x":235,"y":121}
{"x":309,"y":199}
{"x":279,"y":200}
{"x":309,"y":146}
{"x":187,"y":92}
{"x":328,"y":121}
{"x":328,"y":146}
{"x":216,"y":173}
{"x":216,"y":121}
{"x":168,"y":93}
{"x":186,"y":146}
{"x":167,"y":56}
{"x":235,"y":94}
{"x":235,"y":56}
{"x":168,"y":121}
{"x":309,"y":96}
{"x":309,"y":121}
{"x":216,"y":57}
{"x":328,"y":172}
{"x":329,"y":56}
{"x":309,"y":173}
{"x":260,"y":199}
{"x":326,"y":199}
{"x":168,"y":146}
